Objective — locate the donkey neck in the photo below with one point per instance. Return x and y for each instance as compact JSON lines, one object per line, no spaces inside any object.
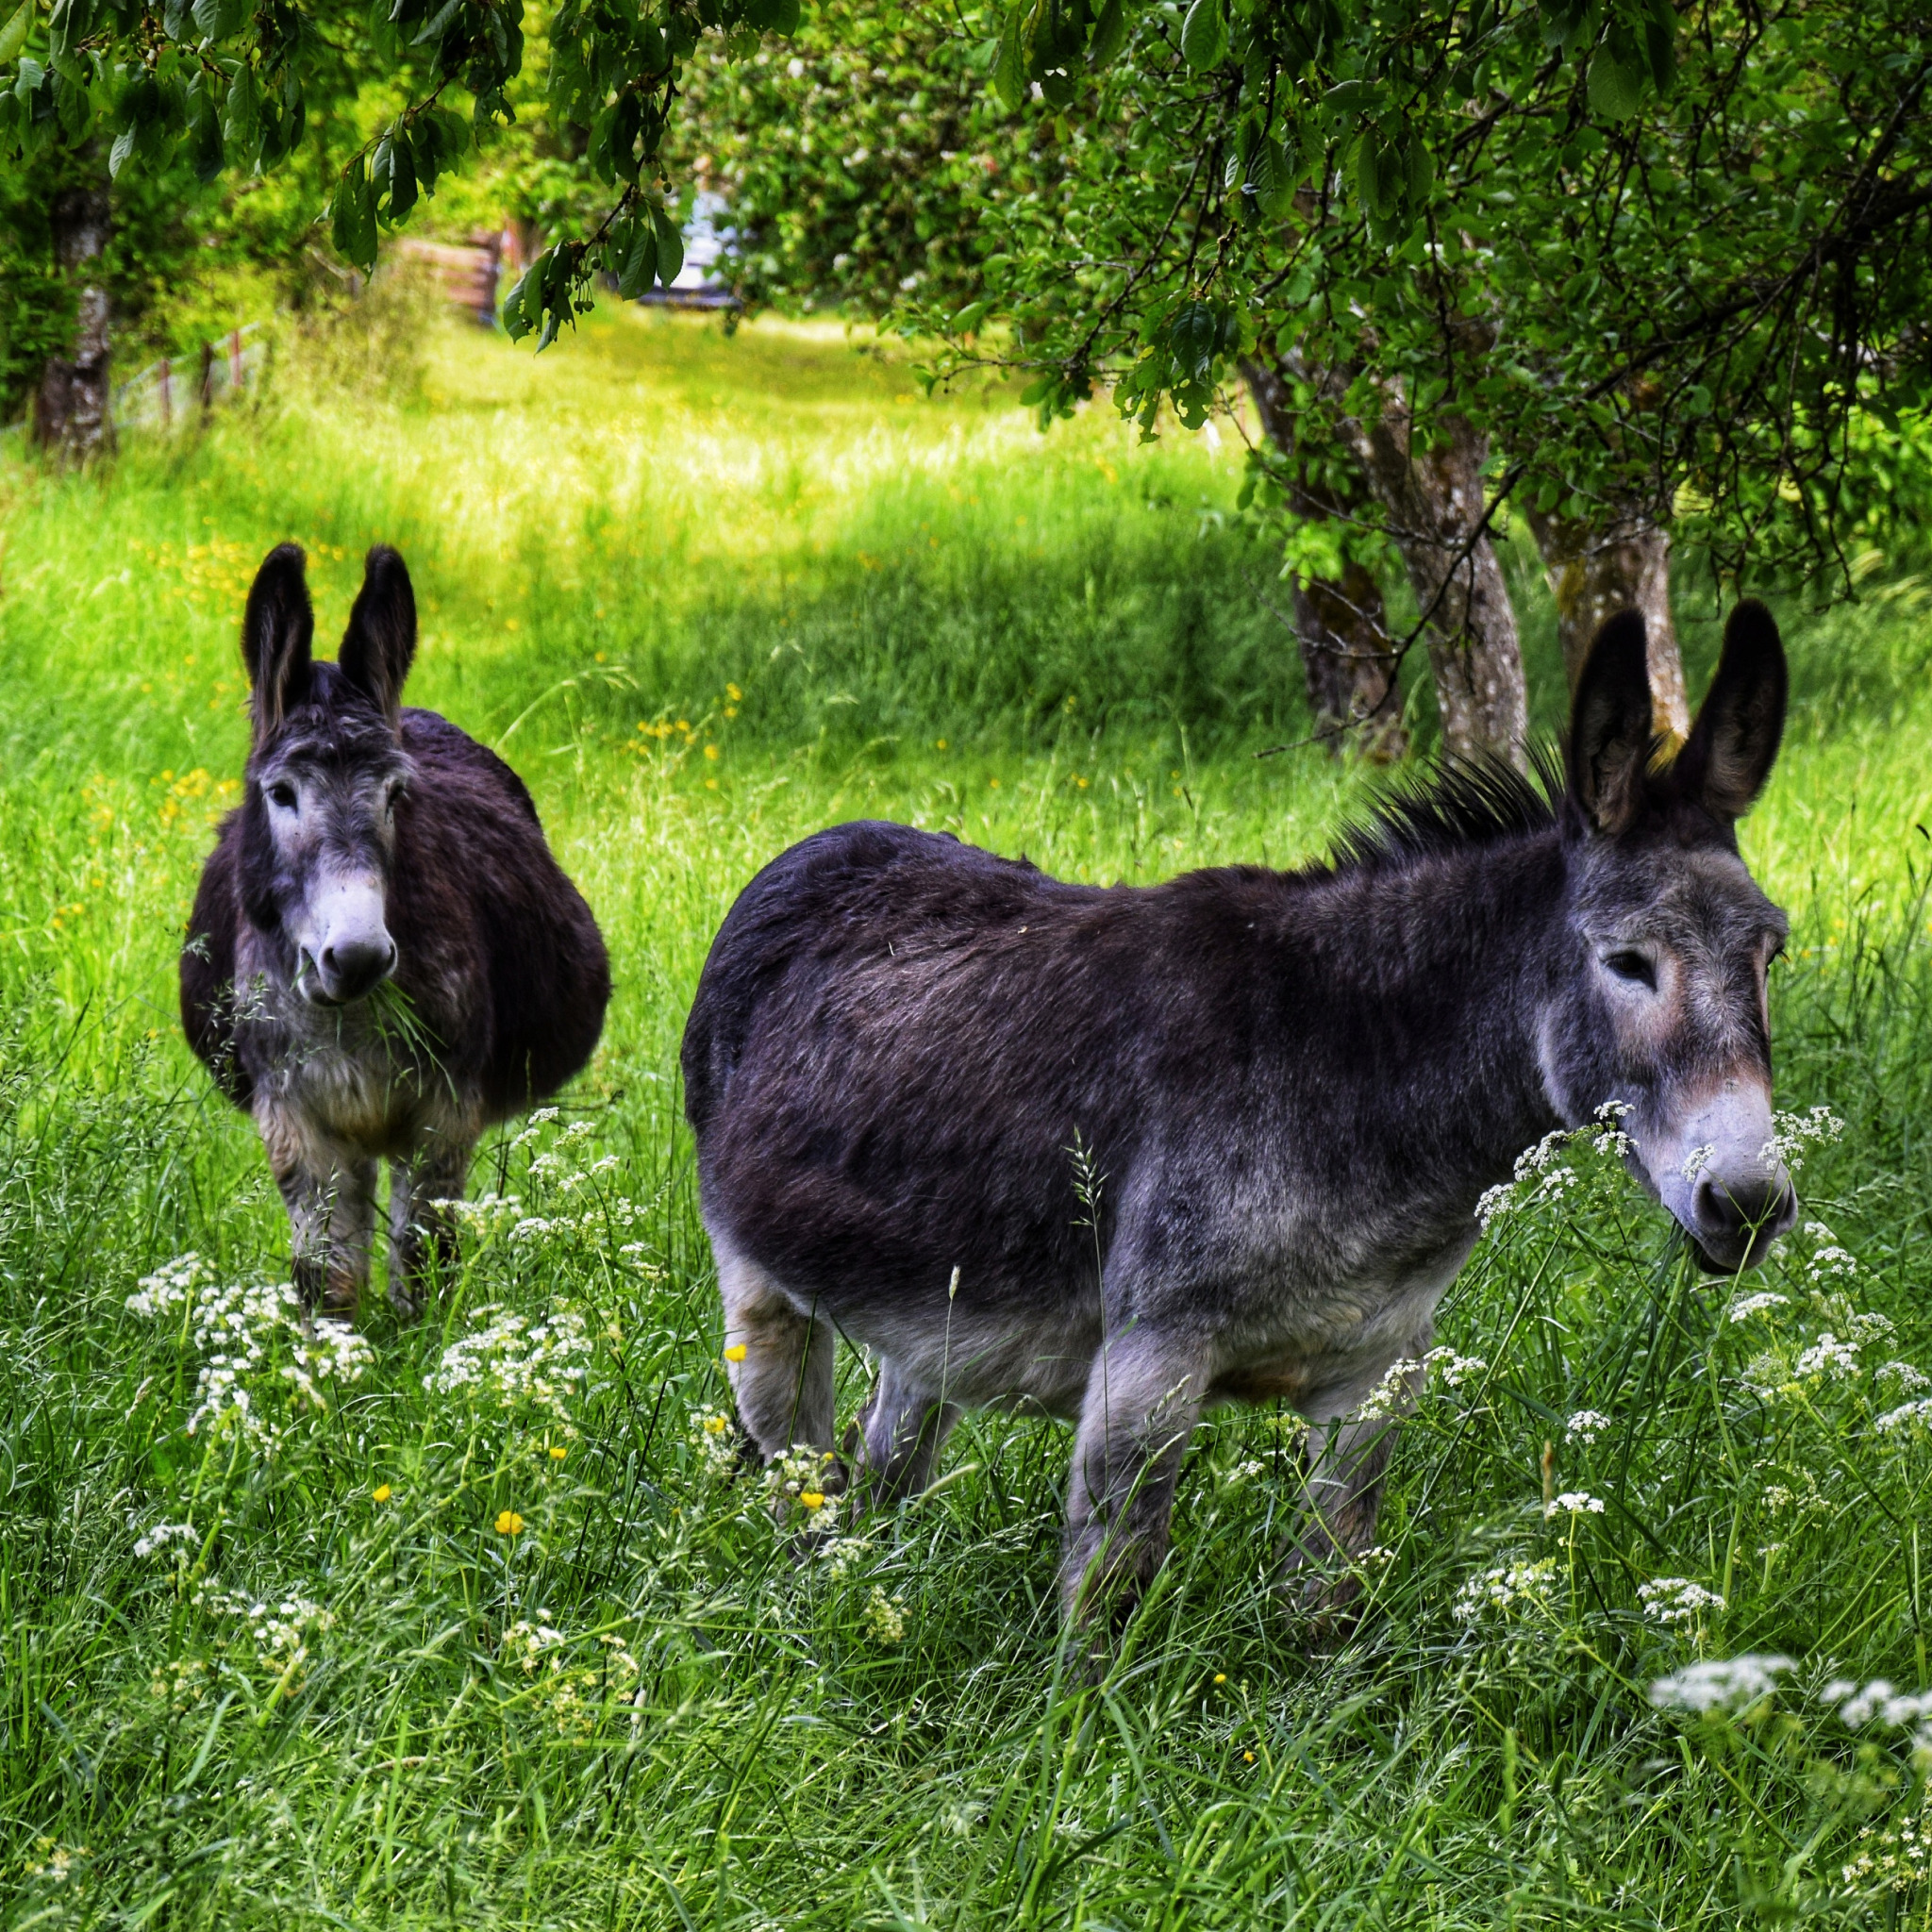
{"x":1450,"y":961}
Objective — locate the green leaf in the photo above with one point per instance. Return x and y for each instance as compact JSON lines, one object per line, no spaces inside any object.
{"x":221,"y":20}
{"x":670,"y":246}
{"x":352,"y":217}
{"x":1272,"y":178}
{"x":639,"y":261}
{"x":402,"y":174}
{"x":1109,"y":35}
{"x":1203,"y":35}
{"x":13,"y":35}
{"x":1615,"y":91}
{"x":1010,"y":69}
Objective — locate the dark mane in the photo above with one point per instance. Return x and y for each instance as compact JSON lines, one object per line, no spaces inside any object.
{"x":1463,"y":802}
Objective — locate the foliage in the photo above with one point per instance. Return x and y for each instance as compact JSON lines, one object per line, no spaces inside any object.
{"x":392,"y":1656}
{"x":1644,"y":255}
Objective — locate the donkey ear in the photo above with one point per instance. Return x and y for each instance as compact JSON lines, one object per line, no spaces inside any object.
{"x":1734,"y":742}
{"x":1610,"y":726}
{"x":380,"y":642}
{"x":277,"y":634}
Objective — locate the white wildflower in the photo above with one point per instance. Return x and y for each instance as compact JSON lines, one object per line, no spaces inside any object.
{"x":1506,"y":1589}
{"x":1793,"y":1135}
{"x":1677,"y":1600}
{"x":1727,"y":1684}
{"x":1453,"y":1369}
{"x":1759,"y":1304}
{"x":1909,"y":1380}
{"x":1573,"y":1502}
{"x":1829,"y":1357}
{"x":519,"y":1363}
{"x":715,"y":1438}
{"x":1859,"y":1706}
{"x":1894,"y":1860}
{"x":1586,"y":1425}
{"x":1695,"y":1160}
{"x":331,"y":1352}
{"x":169,"y":1286}
{"x":884,"y":1618}
{"x":1905,"y":1416}
{"x":158,"y":1539}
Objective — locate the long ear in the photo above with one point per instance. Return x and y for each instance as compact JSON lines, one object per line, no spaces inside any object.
{"x":380,"y":642}
{"x":1734,"y":742}
{"x":277,"y":634}
{"x":1610,"y":726}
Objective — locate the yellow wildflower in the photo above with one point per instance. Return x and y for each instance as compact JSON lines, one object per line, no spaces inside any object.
{"x":558,"y":1452}
{"x":812,"y":1499}
{"x":736,"y":1353}
{"x":383,"y":1493}
{"x":508,"y":1523}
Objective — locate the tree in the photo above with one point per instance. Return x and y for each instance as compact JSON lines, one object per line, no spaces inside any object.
{"x":1618,"y":259}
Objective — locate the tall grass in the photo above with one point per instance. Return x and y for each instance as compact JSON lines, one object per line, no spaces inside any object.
{"x":477,"y":1626}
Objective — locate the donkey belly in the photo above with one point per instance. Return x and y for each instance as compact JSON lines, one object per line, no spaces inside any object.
{"x":1334,"y":1347}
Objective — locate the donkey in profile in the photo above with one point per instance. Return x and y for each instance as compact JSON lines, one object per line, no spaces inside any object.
{"x":383,"y":958}
{"x":1296,"y":1085}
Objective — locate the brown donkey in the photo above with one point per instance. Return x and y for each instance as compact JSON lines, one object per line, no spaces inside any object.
{"x":383,"y":958}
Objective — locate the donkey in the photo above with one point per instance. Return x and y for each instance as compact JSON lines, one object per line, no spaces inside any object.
{"x":383,"y":958}
{"x":909,"y":1060}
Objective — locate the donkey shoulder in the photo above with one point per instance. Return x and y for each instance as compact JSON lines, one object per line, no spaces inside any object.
{"x":208,"y":967}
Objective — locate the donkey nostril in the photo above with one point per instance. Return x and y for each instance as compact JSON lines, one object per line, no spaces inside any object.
{"x":1729,"y":1207}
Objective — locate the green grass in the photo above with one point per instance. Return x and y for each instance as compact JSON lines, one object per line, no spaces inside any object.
{"x":643,"y":1708}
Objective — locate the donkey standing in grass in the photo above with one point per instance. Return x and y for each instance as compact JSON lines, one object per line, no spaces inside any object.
{"x":1296,"y":1086}
{"x":383,"y":958}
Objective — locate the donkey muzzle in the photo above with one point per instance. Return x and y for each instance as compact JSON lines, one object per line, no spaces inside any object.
{"x":1734,"y":1222}
{"x":348,"y":951}
{"x":1731,"y":1195}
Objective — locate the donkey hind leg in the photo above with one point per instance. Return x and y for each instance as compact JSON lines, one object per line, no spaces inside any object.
{"x":899,"y":1436}
{"x":1143,"y":1397}
{"x":332,"y":1218}
{"x":1342,"y":1494}
{"x":783,"y":1383}
{"x":423,"y":1236}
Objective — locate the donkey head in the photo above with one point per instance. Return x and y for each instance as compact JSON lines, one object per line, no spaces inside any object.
{"x":326,"y":774}
{"x":1664,"y":1010}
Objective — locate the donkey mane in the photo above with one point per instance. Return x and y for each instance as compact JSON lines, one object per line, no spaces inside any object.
{"x":1462,"y":802}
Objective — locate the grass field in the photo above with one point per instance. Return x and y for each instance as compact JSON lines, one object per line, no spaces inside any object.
{"x":464,"y":1626}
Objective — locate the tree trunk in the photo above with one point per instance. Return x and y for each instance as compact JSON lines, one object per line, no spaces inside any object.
{"x":72,"y":410}
{"x":1340,"y":624}
{"x":1595,"y":573}
{"x":1434,"y":502}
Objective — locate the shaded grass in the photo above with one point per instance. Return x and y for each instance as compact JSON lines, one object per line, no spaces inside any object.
{"x":767,"y":515}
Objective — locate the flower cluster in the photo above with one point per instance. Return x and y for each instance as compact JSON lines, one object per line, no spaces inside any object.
{"x":518,"y":1363}
{"x":1585,"y":1426}
{"x":712,"y":1435}
{"x":283,"y":1633}
{"x":1760,"y":1303}
{"x":1793,"y":1135}
{"x":796,"y":1483}
{"x":1505,"y":1591}
{"x":884,"y":1618}
{"x":238,"y":1331}
{"x":1573,"y":1502}
{"x":1677,"y":1600}
{"x":1732,"y":1684}
{"x":1894,"y":1860}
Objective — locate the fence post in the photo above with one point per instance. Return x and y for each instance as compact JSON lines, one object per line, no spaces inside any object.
{"x":207,"y":377}
{"x":235,"y":359}
{"x":166,"y":388}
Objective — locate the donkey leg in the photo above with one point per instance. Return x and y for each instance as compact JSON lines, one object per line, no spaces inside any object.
{"x":1342,"y":1494}
{"x":899,"y":1436}
{"x":1143,"y":1397}
{"x":332,"y":1220}
{"x":421,"y":1236}
{"x":783,"y":1383}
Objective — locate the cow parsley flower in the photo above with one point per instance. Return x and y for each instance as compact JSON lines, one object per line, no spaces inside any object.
{"x":1585,"y":1426}
{"x":518,"y":1363}
{"x":1905,"y":1416}
{"x":1759,"y":1304}
{"x":1573,"y":1502}
{"x":1677,"y":1600}
{"x":1508,"y":1589}
{"x":1830,"y":1357}
{"x":884,"y":1618}
{"x":1726,"y":1684}
{"x":1793,"y":1135}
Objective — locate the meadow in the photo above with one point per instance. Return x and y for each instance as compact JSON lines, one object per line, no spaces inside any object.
{"x":474,"y":1623}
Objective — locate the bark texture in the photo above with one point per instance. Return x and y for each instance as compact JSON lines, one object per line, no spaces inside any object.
{"x":1597,"y":571}
{"x":1433,"y":499}
{"x":72,"y":415}
{"x":1341,"y":622}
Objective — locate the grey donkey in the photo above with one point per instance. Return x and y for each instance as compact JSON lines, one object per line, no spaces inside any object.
{"x":383,"y":957}
{"x":1295,"y":1085}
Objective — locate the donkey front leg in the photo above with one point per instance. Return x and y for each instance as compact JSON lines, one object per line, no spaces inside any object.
{"x":332,"y":1220}
{"x":782,"y":1382}
{"x":422,"y":1234}
{"x":1342,"y":1494}
{"x":1143,"y":1397}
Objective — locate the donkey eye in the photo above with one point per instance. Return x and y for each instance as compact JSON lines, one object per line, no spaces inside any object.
{"x":282,"y":794}
{"x":1632,"y":966}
